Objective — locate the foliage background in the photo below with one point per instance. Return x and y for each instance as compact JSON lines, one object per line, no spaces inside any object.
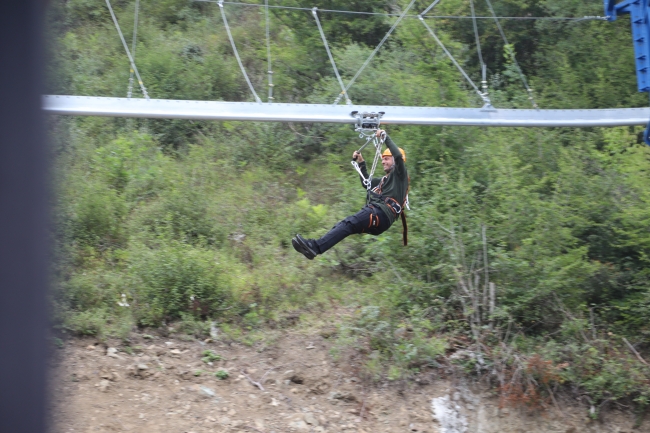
{"x":529,"y":246}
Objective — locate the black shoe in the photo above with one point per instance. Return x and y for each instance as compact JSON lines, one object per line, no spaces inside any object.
{"x":302,"y":245}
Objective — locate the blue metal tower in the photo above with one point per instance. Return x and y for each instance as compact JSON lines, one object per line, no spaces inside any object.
{"x":638,"y":10}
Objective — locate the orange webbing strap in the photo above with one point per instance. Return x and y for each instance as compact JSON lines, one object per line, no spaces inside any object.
{"x":403,"y":215}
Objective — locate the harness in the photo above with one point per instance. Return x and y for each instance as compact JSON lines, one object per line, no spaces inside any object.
{"x":367,"y":125}
{"x":394,"y":205}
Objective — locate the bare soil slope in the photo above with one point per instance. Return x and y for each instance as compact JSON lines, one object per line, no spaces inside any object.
{"x":164,"y":386}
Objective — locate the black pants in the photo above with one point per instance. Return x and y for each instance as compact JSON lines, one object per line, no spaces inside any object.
{"x":370,"y":219}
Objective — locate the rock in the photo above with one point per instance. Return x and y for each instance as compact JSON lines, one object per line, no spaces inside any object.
{"x":274,"y":402}
{"x":175,"y":353}
{"x":259,"y":424}
{"x":208,"y":391}
{"x":447,"y":415}
{"x":311,"y":419}
{"x":232,"y":412}
{"x":320,"y":387}
{"x":225,"y":420}
{"x":112,"y":352}
{"x":299,"y":425}
{"x":80,"y":376}
{"x":91,"y":347}
{"x":344,"y":396}
{"x":104,"y":385}
{"x":142,"y":367}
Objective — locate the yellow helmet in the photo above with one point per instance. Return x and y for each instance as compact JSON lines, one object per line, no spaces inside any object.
{"x":387,"y":153}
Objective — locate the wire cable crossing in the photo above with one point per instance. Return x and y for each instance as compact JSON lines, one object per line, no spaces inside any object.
{"x":268,"y":50}
{"x":484,"y":97}
{"x":484,"y":84}
{"x":234,"y":48}
{"x":372,"y":55}
{"x":314,"y":11}
{"x":512,"y":54}
{"x":126,"y":48}
{"x":424,"y":12}
{"x":133,"y":46}
{"x":585,"y":18}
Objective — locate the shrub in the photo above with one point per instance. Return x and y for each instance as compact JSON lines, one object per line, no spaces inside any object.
{"x":177,"y":279}
{"x":97,"y":217}
{"x":210,"y":356}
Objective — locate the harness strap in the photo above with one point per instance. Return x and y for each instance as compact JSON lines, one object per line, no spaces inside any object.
{"x":394,"y":205}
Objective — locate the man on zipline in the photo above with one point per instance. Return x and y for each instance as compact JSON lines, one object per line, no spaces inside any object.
{"x":385,"y":202}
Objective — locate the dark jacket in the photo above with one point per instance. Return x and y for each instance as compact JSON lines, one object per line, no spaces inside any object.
{"x":394,"y":184}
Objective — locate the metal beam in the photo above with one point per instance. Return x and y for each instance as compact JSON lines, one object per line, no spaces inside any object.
{"x":276,"y":112}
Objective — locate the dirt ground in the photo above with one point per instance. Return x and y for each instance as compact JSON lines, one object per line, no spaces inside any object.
{"x":292,"y":385}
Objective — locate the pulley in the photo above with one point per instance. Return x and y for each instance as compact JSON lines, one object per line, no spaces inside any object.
{"x":367,"y":123}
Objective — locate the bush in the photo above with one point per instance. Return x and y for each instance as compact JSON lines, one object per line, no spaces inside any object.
{"x":97,"y":218}
{"x":176,"y":279}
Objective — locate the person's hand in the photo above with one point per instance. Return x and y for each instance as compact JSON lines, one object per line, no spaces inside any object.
{"x":356,"y":156}
{"x":379,"y":132}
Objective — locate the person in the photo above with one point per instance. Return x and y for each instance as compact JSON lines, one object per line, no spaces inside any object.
{"x":386,"y":199}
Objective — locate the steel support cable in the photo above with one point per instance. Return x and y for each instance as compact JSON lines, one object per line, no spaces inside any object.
{"x":314,"y":12}
{"x":126,"y":48}
{"x":234,"y":48}
{"x":585,"y":18}
{"x":372,"y":55}
{"x":485,"y":99}
{"x":424,"y":12}
{"x":512,"y":54}
{"x":484,"y":86}
{"x":133,"y":46}
{"x":268,"y":50}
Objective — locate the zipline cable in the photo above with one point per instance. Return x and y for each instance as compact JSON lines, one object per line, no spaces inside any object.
{"x":372,"y":55}
{"x":484,"y":97}
{"x":512,"y":54}
{"x":585,"y":18}
{"x":234,"y":48}
{"x":268,"y":49}
{"x":126,"y":48}
{"x":314,"y":11}
{"x":484,"y":86}
{"x":133,"y":46}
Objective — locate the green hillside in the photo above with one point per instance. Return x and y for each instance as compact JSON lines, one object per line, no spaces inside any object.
{"x":192,"y":220}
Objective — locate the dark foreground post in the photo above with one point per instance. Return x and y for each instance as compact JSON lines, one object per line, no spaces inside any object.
{"x":23,"y":220}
